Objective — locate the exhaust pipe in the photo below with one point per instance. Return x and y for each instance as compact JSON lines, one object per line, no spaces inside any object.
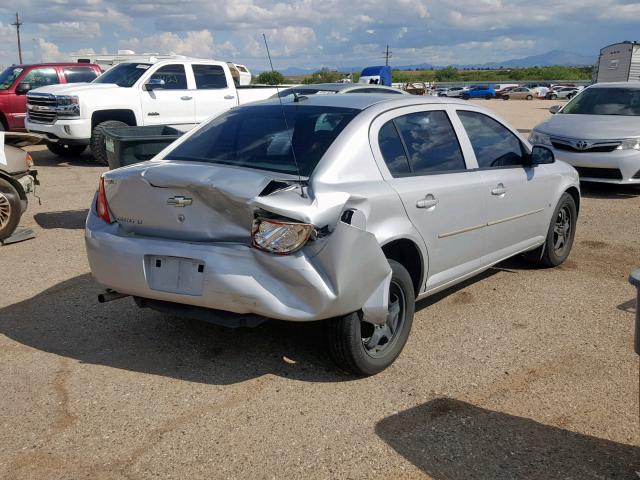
{"x":110,"y":295}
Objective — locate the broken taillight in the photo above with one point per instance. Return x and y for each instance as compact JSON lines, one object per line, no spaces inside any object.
{"x":102,"y":207}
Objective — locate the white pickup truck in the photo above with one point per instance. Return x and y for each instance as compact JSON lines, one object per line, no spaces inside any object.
{"x":180,"y":93}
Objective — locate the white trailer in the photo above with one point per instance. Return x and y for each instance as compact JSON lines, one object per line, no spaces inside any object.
{"x":619,"y":62}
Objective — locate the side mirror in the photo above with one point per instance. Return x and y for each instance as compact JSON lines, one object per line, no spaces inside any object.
{"x":541,"y":156}
{"x":154,"y":84}
{"x":555,"y":108}
{"x":23,"y":88}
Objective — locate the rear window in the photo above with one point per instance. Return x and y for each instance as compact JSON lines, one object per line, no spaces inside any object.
{"x":258,"y":137}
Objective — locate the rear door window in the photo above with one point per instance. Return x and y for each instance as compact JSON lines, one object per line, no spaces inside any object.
{"x":209,"y":77}
{"x":174,"y":77}
{"x":431,"y":142}
{"x":493,"y":144}
{"x":79,"y":74}
{"x":392,"y":150}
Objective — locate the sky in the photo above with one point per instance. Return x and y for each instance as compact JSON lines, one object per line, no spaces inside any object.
{"x":315,"y":33}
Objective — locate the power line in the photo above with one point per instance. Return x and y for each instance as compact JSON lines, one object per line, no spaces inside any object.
{"x":387,"y":55}
{"x":18,"y":24}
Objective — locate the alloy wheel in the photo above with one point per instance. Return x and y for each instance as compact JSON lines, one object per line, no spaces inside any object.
{"x":5,"y":211}
{"x":562,"y":231}
{"x":377,"y":339}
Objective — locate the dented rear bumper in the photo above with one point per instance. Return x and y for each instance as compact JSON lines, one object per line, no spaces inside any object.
{"x":345,"y":271}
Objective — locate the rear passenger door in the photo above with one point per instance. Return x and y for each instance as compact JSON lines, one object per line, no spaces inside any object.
{"x":420,"y":156}
{"x":517,"y":194}
{"x":171,"y":105}
{"x":214,"y":92}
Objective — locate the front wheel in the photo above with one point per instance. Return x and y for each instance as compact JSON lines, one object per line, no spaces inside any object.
{"x":10,"y":209}
{"x":529,"y":97}
{"x":465,"y":97}
{"x":560,"y":234}
{"x":98,"y":147}
{"x":505,"y":97}
{"x":367,"y":349}
{"x":488,"y":96}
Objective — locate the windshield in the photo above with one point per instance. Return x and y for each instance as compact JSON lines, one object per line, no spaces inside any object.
{"x":8,"y":76}
{"x":257,"y":137}
{"x":605,"y":101}
{"x":123,"y":74}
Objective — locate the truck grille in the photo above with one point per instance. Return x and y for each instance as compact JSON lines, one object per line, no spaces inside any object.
{"x":41,"y":107}
{"x":604,"y":173}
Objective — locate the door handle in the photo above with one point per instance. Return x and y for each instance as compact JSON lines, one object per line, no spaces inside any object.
{"x":499,"y":190}
{"x":427,"y":202}
{"x":186,"y":97}
{"x":229,"y":97}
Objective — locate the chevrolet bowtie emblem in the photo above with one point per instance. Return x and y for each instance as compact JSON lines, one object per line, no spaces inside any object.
{"x":179,"y":201}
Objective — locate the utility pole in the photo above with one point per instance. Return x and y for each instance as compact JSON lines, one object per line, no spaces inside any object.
{"x":17,"y":24}
{"x":387,"y":56}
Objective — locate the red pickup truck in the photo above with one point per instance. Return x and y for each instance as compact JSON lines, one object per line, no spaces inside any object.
{"x":17,"y":80}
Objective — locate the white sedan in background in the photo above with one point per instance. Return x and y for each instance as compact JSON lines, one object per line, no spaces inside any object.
{"x":598,"y":132}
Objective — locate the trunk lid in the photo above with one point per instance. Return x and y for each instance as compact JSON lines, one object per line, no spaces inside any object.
{"x":187,"y":200}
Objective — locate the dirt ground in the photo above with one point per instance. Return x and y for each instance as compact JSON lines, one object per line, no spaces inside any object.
{"x":519,"y":373}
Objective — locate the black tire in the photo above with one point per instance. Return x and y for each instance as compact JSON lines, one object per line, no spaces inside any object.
{"x":64,"y":150}
{"x":505,"y":97}
{"x":549,"y":255}
{"x":571,"y":95}
{"x":488,"y":96}
{"x":2,"y":128}
{"x":529,"y":97}
{"x":10,"y":209}
{"x":465,"y":97}
{"x":97,"y":140}
{"x":554,"y":96}
{"x":347,"y":335}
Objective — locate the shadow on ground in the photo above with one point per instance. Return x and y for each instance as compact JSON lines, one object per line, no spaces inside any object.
{"x":68,"y":219}
{"x":44,"y":158}
{"x":453,"y":440}
{"x":608,"y":191}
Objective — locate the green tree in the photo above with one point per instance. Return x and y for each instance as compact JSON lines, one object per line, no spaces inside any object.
{"x":271,"y":78}
{"x":447,"y":74}
{"x":323,"y":75}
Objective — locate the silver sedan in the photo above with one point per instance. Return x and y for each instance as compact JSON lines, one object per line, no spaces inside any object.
{"x":598,"y":132}
{"x":343,"y":208}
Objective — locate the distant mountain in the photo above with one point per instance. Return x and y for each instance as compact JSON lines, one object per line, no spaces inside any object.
{"x":553,"y":57}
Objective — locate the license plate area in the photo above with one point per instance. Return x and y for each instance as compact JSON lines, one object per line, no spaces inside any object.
{"x":184,"y":276}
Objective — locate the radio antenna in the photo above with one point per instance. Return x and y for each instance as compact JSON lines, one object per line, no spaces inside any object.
{"x":286,"y":125}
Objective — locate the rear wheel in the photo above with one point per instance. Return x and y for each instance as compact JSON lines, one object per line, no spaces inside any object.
{"x":366,"y":349}
{"x":465,"y":96}
{"x":505,"y":97}
{"x":97,"y":140}
{"x":559,"y":241}
{"x":529,"y":97}
{"x":10,"y":209}
{"x":553,"y":96}
{"x":488,"y":96}
{"x":64,"y":150}
{"x":571,"y":95}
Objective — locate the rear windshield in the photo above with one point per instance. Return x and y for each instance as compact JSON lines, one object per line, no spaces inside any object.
{"x":123,"y":74}
{"x":605,"y":101}
{"x":257,"y":137}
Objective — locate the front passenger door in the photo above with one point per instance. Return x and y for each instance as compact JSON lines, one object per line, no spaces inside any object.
{"x":517,"y":194}
{"x":171,"y":105}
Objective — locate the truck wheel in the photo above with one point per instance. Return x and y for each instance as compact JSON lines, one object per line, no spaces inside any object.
{"x":559,"y":241}
{"x":10,"y":209}
{"x":366,"y":349}
{"x":97,"y":140}
{"x":65,"y":150}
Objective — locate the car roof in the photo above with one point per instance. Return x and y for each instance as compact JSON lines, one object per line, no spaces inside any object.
{"x":54,"y":64}
{"x":363,"y":101}
{"x":338,"y":87}
{"x":626,"y":85}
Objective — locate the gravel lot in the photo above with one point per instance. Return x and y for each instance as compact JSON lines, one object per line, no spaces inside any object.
{"x":520,"y":373}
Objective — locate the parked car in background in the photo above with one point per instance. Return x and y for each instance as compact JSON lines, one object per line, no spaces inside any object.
{"x":178,"y":93}
{"x":17,"y":80}
{"x":479,"y":91}
{"x":500,"y":88}
{"x":439,"y":91}
{"x":598,"y":132}
{"x":335,"y":88}
{"x":563,"y":92}
{"x":17,"y":179}
{"x":455,"y":92}
{"x":520,"y":93}
{"x":341,"y":208}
